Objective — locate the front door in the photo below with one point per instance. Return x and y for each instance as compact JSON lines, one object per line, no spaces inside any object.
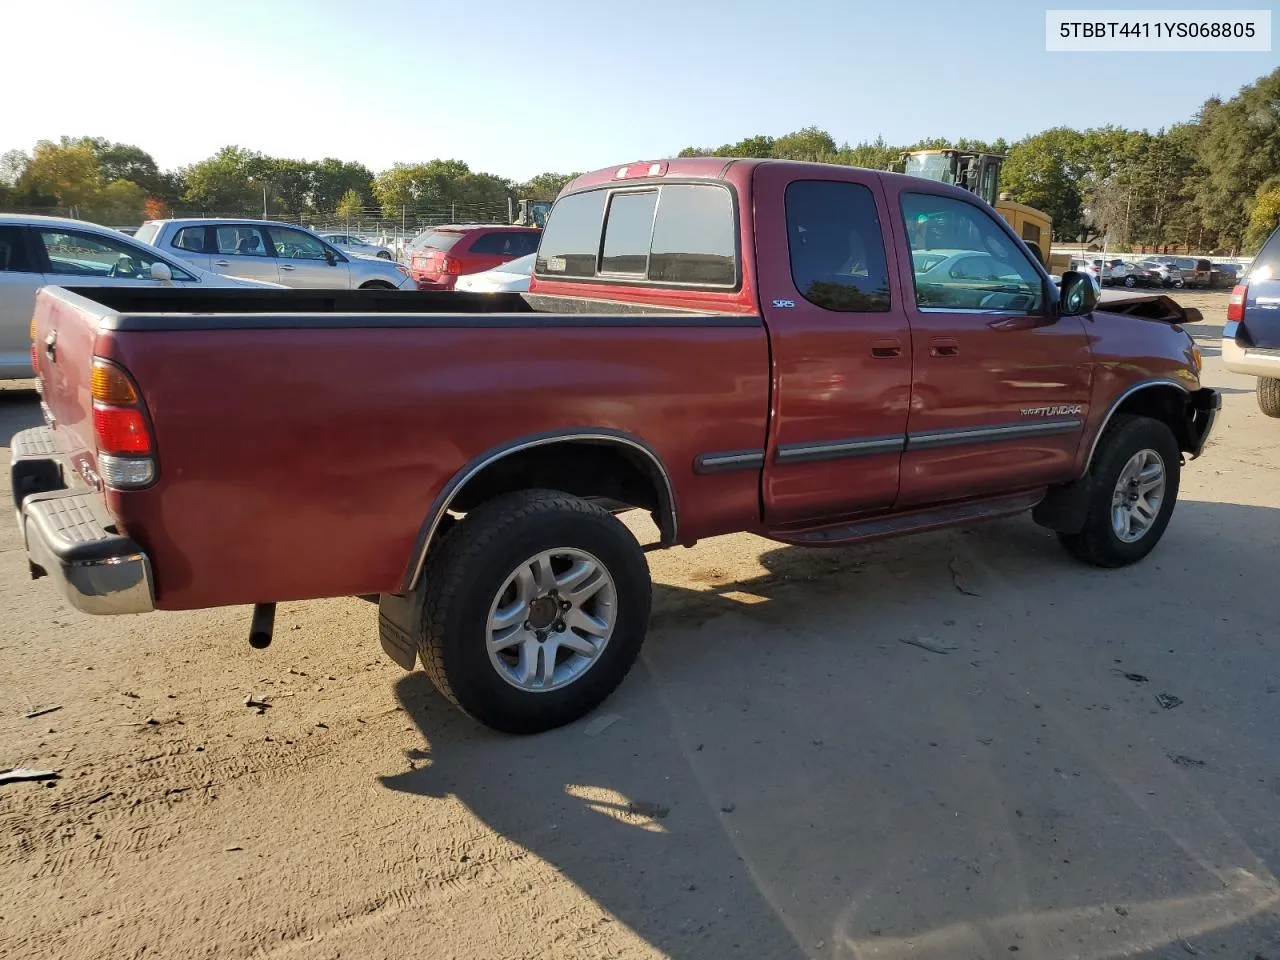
{"x":1001,"y":384}
{"x":840,"y":341}
{"x":306,"y":262}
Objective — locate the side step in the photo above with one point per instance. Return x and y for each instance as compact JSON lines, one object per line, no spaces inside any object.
{"x":919,"y":521}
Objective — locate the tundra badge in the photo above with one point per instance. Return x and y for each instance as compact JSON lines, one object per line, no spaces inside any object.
{"x":1061,"y":410}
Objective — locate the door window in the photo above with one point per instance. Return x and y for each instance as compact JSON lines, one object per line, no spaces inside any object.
{"x":190,"y":239}
{"x":836,"y":246}
{"x":296,"y":245}
{"x":76,"y":254}
{"x":13,"y":251}
{"x":962,"y":260}
{"x":242,"y":242}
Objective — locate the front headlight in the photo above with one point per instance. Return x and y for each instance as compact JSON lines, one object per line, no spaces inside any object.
{"x":1197,"y":358}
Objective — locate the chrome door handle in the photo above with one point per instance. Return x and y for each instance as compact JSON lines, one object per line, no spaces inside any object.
{"x":221,"y":263}
{"x":287,"y":266}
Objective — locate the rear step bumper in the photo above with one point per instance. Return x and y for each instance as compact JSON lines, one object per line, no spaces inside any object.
{"x":69,"y":536}
{"x":1251,"y":361}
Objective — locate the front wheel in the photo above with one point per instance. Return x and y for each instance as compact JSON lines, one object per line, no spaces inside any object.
{"x":535,"y":607}
{"x":383,"y":255}
{"x":1134,"y":486}
{"x":1269,"y":396}
{"x":1130,"y":281}
{"x":1178,"y":284}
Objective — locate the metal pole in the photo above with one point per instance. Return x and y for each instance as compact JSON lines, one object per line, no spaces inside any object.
{"x":264,"y":201}
{"x":510,"y":213}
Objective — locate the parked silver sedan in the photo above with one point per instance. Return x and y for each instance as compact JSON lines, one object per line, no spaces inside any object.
{"x":278,"y":252}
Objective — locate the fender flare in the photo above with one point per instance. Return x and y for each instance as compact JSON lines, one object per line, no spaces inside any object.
{"x":1115,"y":406}
{"x":440,"y":505}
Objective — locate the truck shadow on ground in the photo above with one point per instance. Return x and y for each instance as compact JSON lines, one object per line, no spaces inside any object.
{"x":789,"y":778}
{"x":19,"y":409}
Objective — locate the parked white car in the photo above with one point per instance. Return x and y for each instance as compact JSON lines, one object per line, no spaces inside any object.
{"x":40,"y":251}
{"x":278,"y":252}
{"x":510,"y":277}
{"x":358,"y":246}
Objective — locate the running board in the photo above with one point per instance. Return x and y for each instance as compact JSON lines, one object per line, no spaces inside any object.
{"x":934,"y":518}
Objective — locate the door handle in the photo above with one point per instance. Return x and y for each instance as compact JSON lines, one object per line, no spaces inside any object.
{"x":886,"y":349}
{"x":221,"y":263}
{"x":944,"y":347}
{"x":287,"y":266}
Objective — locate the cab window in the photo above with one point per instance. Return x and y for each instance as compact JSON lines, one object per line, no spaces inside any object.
{"x":836,"y":246}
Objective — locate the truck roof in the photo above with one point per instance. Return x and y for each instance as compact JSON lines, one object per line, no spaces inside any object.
{"x":710,"y":168}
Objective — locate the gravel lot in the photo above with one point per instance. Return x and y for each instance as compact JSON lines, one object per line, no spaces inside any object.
{"x":785,"y":777}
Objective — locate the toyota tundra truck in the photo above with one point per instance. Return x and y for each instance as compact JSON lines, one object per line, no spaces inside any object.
{"x":818,"y":354}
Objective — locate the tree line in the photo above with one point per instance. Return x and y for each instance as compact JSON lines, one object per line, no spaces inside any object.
{"x":1209,"y":184}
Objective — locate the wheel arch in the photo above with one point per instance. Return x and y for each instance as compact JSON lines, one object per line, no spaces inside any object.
{"x":529,"y":461}
{"x":1163,"y":400}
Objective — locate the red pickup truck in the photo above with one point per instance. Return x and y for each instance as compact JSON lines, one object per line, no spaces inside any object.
{"x":817,"y":354}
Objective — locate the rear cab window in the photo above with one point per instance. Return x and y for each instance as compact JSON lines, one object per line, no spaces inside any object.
{"x":670,"y":234}
{"x":440,"y":239}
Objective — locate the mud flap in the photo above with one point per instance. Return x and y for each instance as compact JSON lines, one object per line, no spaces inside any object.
{"x":1064,"y":508}
{"x":399,"y":625}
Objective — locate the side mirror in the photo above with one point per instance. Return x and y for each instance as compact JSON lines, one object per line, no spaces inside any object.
{"x":160,"y":271}
{"x":329,"y":257}
{"x":1079,"y":294}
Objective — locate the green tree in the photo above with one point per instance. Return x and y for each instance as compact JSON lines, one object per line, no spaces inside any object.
{"x":350,"y":207}
{"x":228,"y":182}
{"x":545,"y":186}
{"x":67,"y":173}
{"x":1043,"y":171}
{"x":332,"y":179}
{"x":1265,"y":216}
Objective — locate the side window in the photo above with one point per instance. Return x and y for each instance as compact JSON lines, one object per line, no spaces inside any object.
{"x":523,"y":244}
{"x":836,"y":246}
{"x":296,"y":245}
{"x":75,"y":254}
{"x":571,"y":240}
{"x":627,"y":232}
{"x":13,"y":251}
{"x":494,"y":244}
{"x":962,"y":260}
{"x":190,"y":239}
{"x":242,"y":242}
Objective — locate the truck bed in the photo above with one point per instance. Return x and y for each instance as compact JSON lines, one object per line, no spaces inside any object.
{"x":303,"y":437}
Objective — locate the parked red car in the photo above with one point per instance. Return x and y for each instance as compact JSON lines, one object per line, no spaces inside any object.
{"x":814,"y":353}
{"x":448,"y":252}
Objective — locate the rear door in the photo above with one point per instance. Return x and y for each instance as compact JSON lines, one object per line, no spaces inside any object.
{"x":242,"y":250}
{"x":304,"y":260}
{"x":840,"y":341}
{"x":1000,"y":382}
{"x":20,"y":278}
{"x":491,"y":248}
{"x":194,"y":244}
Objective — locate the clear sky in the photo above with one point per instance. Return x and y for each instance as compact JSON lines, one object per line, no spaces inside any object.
{"x":519,"y":88}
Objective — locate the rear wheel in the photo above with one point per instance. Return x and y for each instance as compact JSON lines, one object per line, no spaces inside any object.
{"x":376,"y":285}
{"x":383,"y":255}
{"x":1134,"y":486}
{"x":1269,"y":396}
{"x":1130,"y":281}
{"x":535,"y":607}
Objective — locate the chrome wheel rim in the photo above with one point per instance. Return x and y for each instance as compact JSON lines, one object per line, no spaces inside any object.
{"x":551,"y":620}
{"x":1138,"y":496}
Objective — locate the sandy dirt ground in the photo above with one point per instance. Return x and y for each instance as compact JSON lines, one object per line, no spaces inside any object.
{"x":785,"y":777}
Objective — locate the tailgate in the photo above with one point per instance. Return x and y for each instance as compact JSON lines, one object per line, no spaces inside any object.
{"x":64,"y":333}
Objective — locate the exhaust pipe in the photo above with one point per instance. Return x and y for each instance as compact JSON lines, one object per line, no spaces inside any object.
{"x":262,"y":626}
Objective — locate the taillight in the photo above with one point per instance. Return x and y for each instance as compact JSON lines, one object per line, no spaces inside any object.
{"x":1235,"y":306}
{"x":126,"y":448}
{"x":449,"y":265}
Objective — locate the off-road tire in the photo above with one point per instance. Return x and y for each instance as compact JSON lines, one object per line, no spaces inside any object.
{"x":1269,"y":396}
{"x":1096,"y":543}
{"x":463,"y":574}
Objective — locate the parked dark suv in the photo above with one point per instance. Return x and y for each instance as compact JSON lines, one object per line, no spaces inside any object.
{"x":1251,"y":336}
